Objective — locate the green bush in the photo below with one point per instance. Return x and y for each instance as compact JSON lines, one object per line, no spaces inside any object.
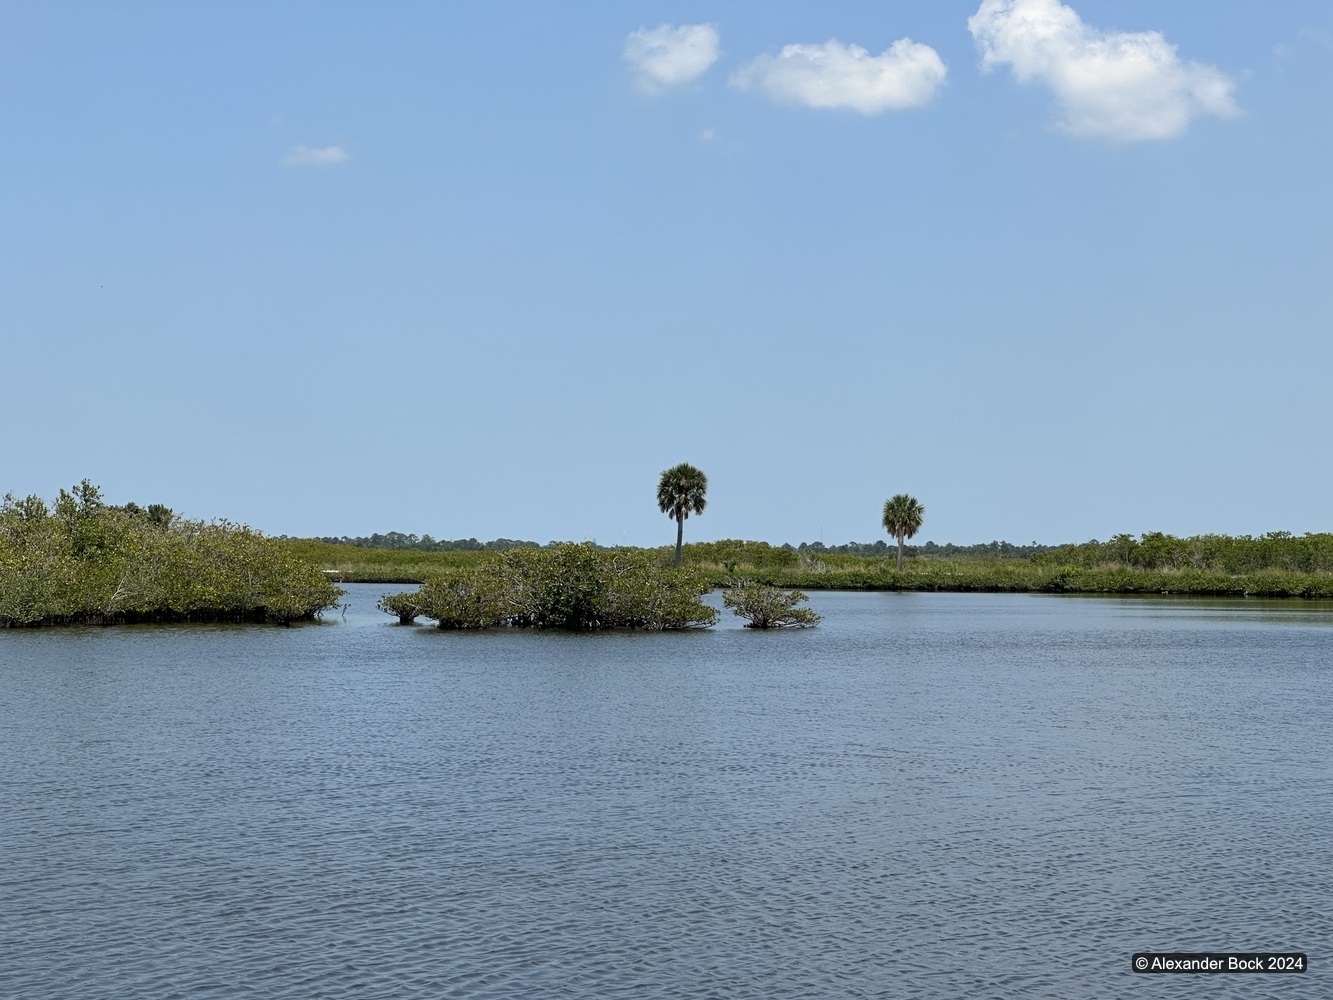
{"x":466,"y":598}
{"x":568,"y":586}
{"x":769,"y":607}
{"x":83,"y":562}
{"x":405,"y":606}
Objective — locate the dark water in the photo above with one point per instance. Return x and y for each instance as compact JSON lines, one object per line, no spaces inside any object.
{"x":928,"y":796}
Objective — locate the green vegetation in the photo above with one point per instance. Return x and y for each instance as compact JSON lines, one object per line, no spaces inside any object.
{"x":407,"y":607}
{"x":902,"y":519}
{"x":879,"y":550}
{"x":85,"y":562}
{"x":768,"y":607}
{"x":394,"y":550}
{"x":1273,"y":565}
{"x":681,"y":492}
{"x":1279,"y":551}
{"x":566,"y":586}
{"x":424,"y":543}
{"x":360,"y":564}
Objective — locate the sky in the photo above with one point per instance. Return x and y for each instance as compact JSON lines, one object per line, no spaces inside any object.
{"x":1059,"y":271}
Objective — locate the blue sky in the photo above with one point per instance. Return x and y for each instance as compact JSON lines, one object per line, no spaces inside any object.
{"x":1059,"y":271}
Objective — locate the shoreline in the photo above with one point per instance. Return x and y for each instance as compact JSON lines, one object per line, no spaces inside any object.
{"x":1022,"y":579}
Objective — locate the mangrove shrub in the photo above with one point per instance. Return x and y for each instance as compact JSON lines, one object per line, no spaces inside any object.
{"x":82,"y":561}
{"x":769,"y":607}
{"x":405,"y":606}
{"x":567,"y":586}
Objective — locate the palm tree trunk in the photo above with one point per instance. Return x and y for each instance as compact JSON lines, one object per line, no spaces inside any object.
{"x":680,"y":536}
{"x":900,"y":553}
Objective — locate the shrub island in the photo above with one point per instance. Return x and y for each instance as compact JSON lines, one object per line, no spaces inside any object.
{"x":82,"y":561}
{"x":570,"y":586}
{"x":763,"y":606}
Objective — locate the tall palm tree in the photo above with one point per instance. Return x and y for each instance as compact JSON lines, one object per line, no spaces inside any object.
{"x":902,"y":519}
{"x":680,"y":493}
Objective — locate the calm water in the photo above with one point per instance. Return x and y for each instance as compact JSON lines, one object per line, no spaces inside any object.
{"x":930,"y":795}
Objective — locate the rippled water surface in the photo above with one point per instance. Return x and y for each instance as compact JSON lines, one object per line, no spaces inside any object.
{"x":930,"y":795}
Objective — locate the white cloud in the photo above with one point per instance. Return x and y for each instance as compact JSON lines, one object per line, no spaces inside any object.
{"x":1117,"y":85}
{"x":905,"y":75}
{"x":668,"y":56}
{"x":314,"y":156}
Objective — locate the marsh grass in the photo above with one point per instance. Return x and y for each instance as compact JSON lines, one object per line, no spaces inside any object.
{"x":1274,"y":565}
{"x":358,"y":564}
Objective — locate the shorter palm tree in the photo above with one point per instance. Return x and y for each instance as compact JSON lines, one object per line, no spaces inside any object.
{"x":902,"y":519}
{"x":680,"y":493}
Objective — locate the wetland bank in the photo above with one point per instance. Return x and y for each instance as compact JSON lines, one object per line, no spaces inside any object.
{"x":81,"y":560}
{"x":1277,"y":564}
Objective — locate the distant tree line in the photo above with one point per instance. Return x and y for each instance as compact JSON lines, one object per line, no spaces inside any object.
{"x":1311,"y":553}
{"x":868,"y":550}
{"x":425,"y":543}
{"x":882,"y":550}
{"x":1276,"y":550}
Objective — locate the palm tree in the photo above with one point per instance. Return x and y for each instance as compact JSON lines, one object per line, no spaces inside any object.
{"x":680,"y":493}
{"x":902,"y":519}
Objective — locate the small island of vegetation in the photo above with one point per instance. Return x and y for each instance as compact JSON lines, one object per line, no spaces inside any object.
{"x":578,"y":587}
{"x":566,"y":586}
{"x":763,"y":606}
{"x":83,"y":561}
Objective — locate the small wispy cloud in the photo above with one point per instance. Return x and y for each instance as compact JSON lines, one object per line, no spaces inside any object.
{"x":315,"y":156}
{"x":1318,"y":36}
{"x":670,"y":56}
{"x":905,"y":75}
{"x":1119,"y":85}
